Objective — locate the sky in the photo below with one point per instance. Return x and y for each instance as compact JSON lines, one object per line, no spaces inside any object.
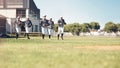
{"x":81,"y":11}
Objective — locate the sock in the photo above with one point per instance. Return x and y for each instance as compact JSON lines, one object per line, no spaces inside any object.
{"x":62,"y":36}
{"x":17,"y":35}
{"x":43,"y":36}
{"x":49,"y":36}
{"x":27,"y":35}
{"x":58,"y":36}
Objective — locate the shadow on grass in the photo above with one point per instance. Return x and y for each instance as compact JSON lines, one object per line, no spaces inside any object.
{"x":6,"y":36}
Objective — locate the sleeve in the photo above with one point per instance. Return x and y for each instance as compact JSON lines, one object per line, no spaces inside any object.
{"x":40,"y":22}
{"x":64,"y":21}
{"x":53,"y":23}
{"x":31,"y":23}
{"x":58,"y":21}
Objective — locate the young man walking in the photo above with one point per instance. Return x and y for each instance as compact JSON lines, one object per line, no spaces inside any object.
{"x":17,"y":25}
{"x":61,"y":23}
{"x":28,"y":25}
{"x":44,"y":26}
{"x":50,"y":27}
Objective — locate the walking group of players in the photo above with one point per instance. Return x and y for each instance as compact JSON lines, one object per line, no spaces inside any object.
{"x":47,"y":27}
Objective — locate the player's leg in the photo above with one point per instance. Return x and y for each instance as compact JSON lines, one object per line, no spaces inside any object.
{"x":43,"y":32}
{"x":59,"y":31}
{"x":49,"y":33}
{"x":62,"y":32}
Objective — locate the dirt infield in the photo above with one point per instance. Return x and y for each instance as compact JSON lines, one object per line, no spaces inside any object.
{"x":99,"y":47}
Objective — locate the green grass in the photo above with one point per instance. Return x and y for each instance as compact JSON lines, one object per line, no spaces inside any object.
{"x":38,"y":53}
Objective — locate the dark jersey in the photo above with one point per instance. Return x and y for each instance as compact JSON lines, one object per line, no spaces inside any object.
{"x":28,"y":23}
{"x":61,"y":23}
{"x":44,"y":23}
{"x":51,"y":24}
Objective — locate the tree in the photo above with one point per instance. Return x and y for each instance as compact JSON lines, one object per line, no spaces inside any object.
{"x":67,"y":28}
{"x":95,"y":25}
{"x":118,"y":26}
{"x":75,"y":28}
{"x":110,"y":27}
{"x":85,"y":27}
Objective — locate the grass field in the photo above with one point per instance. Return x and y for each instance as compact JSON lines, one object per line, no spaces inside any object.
{"x":72,"y":52}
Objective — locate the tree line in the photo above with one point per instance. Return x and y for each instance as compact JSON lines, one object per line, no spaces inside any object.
{"x":77,"y":28}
